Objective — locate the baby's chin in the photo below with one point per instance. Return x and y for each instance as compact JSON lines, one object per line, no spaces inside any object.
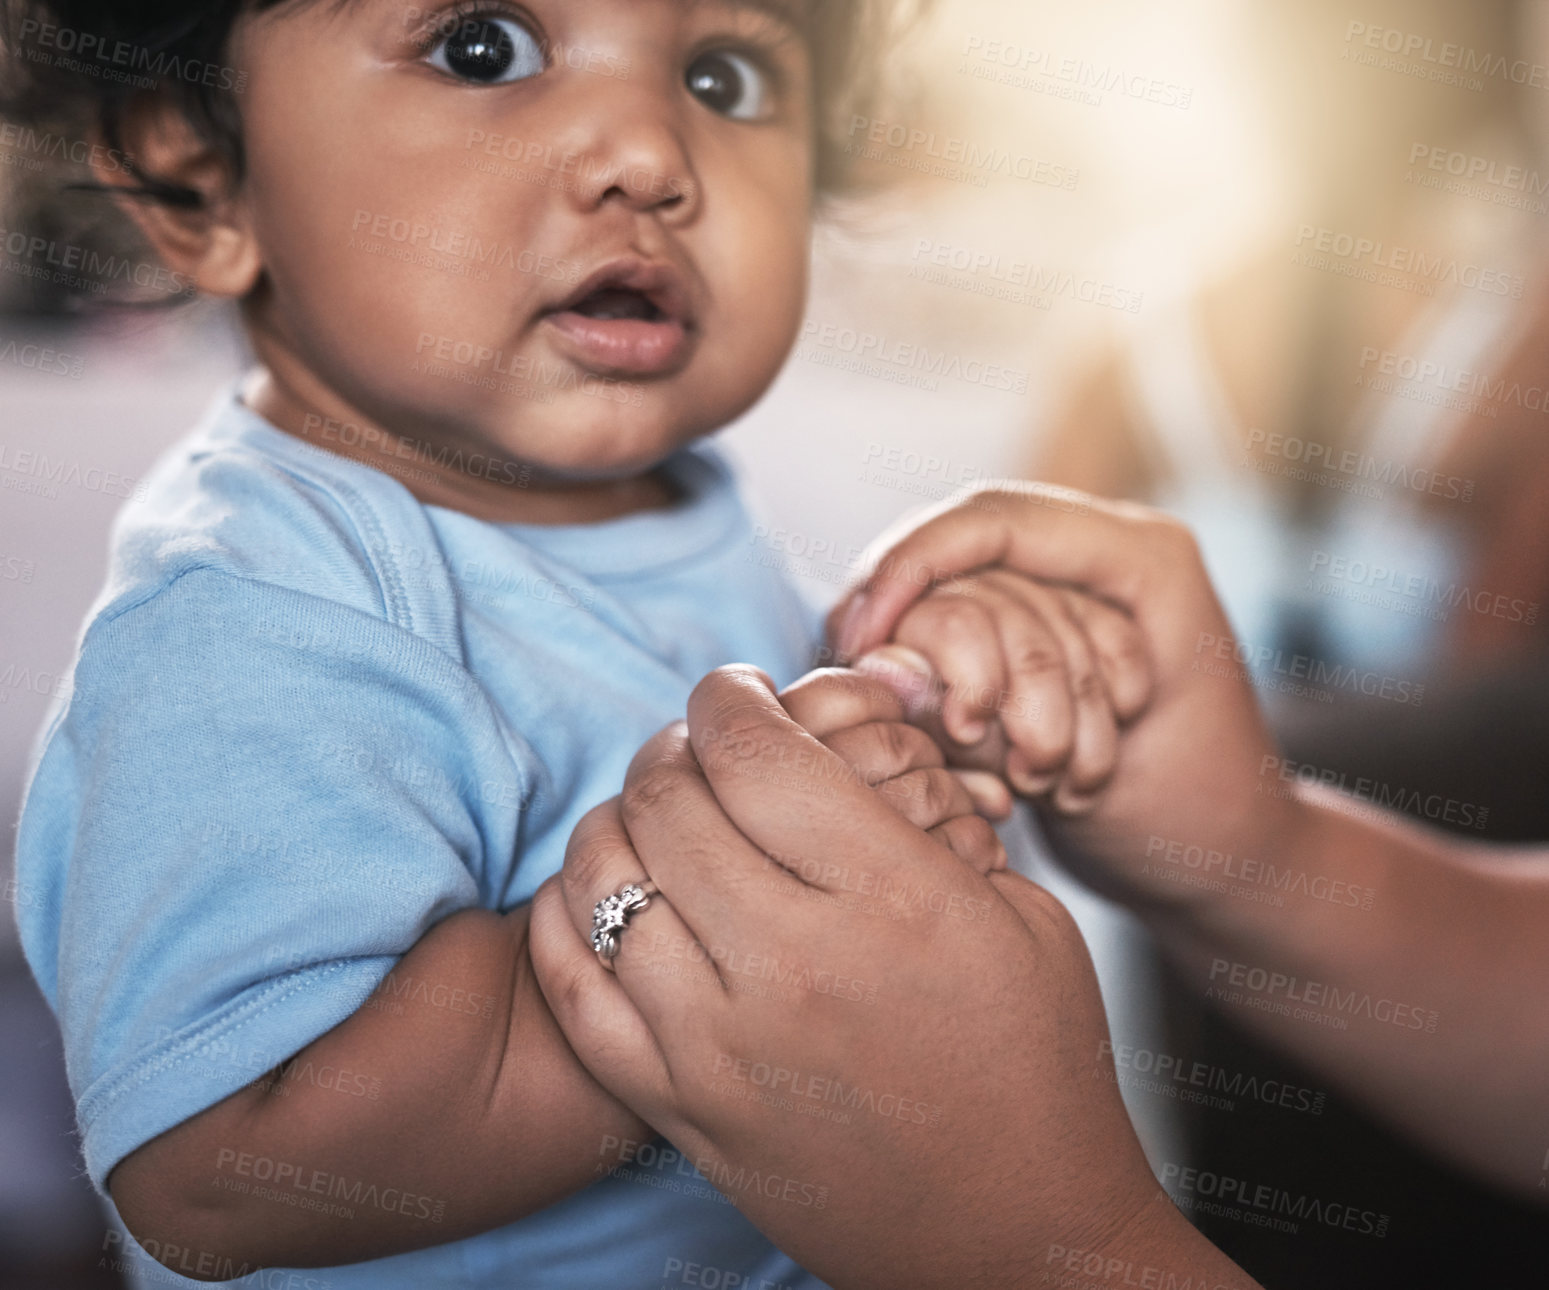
{"x":574,"y":440}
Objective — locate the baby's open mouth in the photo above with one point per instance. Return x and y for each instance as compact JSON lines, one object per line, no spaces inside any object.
{"x":610,"y":303}
{"x":631,"y":317}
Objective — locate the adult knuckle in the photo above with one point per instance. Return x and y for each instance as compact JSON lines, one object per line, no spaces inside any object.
{"x":921,"y":749}
{"x":655,"y":789}
{"x":589,"y":858}
{"x":913,"y":797}
{"x":735,"y":733}
{"x":1127,"y":647}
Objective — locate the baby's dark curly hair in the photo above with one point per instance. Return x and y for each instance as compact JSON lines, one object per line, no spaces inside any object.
{"x":75,"y":66}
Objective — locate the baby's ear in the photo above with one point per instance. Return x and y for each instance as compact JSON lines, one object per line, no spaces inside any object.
{"x":203,"y":232}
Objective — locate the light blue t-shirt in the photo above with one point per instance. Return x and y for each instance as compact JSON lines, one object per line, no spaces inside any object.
{"x":312,"y":717}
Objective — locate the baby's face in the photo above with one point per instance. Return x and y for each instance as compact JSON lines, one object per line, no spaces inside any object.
{"x":571,"y":234}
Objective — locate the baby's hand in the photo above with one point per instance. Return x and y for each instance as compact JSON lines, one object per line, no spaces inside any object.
{"x":1027,"y":680}
{"x":1189,"y":769}
{"x":863,"y":721}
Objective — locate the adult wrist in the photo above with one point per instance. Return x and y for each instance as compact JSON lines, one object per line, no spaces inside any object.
{"x":1241,"y":872}
{"x":1152,"y":1244}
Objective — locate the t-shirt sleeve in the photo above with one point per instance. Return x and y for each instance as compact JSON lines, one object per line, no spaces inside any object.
{"x":255,"y":802}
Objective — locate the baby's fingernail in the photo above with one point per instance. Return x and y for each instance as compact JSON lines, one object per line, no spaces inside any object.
{"x":906,"y":672}
{"x":1024,"y":779}
{"x":853,"y":625}
{"x":970,"y":730}
{"x":991,"y":797}
{"x":1074,"y":805}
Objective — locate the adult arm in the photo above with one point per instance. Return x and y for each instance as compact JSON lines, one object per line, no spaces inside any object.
{"x":1405,"y":966}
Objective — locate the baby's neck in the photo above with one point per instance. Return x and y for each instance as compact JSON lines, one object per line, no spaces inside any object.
{"x":507,"y":494}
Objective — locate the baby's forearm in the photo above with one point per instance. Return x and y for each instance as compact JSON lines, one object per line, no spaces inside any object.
{"x":475,"y":1113}
{"x":1394,"y":962}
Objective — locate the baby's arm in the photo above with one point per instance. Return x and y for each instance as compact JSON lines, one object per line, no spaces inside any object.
{"x":483,"y":1115}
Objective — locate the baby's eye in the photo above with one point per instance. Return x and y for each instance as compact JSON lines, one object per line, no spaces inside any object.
{"x":730,"y":84}
{"x":491,"y":51}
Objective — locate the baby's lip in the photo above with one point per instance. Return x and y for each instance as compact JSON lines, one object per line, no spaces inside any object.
{"x":658,"y":281}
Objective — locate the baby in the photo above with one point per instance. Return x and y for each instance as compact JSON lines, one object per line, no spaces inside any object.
{"x":399,"y":612}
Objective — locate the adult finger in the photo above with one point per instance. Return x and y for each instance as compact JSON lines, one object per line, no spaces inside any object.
{"x":1039,"y":712}
{"x":791,"y":796}
{"x":927,"y":798}
{"x":1138,"y":558}
{"x":911,"y":676}
{"x":600,"y":861}
{"x":604,"y":1026}
{"x":691,"y":849}
{"x":907,"y":767}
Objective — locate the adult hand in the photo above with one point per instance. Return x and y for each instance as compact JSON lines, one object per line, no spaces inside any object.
{"x":1407,"y":950}
{"x":907,"y":1093}
{"x":1187,"y":773}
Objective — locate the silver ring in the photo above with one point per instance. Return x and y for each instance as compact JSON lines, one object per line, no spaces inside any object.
{"x":611,"y":916}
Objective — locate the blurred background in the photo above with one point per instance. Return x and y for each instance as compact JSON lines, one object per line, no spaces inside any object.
{"x":1277,"y":267}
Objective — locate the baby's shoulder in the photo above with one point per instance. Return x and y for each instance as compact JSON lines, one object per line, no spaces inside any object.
{"x":240,"y":498}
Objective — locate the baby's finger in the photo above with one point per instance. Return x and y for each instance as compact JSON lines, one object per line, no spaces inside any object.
{"x":991,"y":798}
{"x":909,"y":675}
{"x":881,"y":750}
{"x":1122,"y":654}
{"x":1037,"y":712}
{"x":884,"y":752}
{"x":833,"y":699}
{"x":973,"y":841}
{"x":1094,"y":737}
{"x":955,"y":632}
{"x":928,"y":797}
